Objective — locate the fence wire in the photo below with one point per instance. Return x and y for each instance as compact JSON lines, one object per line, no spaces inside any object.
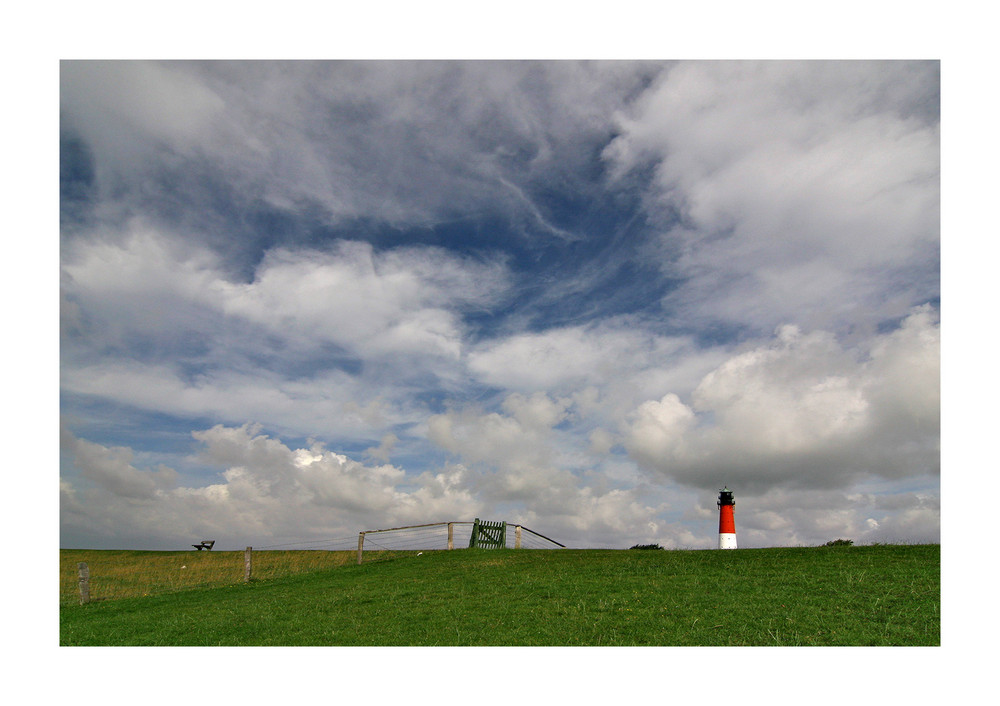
{"x":114,"y":575}
{"x":130,"y":574}
{"x":436,"y":537}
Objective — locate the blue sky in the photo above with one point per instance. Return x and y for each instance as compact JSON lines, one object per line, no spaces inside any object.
{"x":299,"y":300}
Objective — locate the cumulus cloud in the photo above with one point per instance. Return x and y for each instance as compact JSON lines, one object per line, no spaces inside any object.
{"x":314,"y":339}
{"x":266,"y":491}
{"x":802,"y":412}
{"x":112,"y":469}
{"x":525,"y":462}
{"x":138,"y":283}
{"x":403,"y":301}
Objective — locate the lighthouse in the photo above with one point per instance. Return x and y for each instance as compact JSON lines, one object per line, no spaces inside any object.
{"x":727,"y":525}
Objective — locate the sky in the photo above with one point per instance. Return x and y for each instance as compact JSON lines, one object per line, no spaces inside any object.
{"x":299,"y":300}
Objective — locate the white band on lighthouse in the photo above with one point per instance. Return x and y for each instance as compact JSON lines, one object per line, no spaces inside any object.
{"x":727,"y":540}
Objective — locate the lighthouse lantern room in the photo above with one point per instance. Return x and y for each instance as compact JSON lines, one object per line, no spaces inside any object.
{"x":727,"y":525}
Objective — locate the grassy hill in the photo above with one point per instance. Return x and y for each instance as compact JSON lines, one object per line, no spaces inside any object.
{"x":871,"y":595}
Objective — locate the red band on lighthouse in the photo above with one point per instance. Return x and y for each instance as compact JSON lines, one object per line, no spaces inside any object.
{"x":727,"y":525}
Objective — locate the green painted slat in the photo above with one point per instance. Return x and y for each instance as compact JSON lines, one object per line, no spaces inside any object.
{"x":474,"y":537}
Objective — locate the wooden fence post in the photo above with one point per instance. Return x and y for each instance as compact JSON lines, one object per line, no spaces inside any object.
{"x":517,"y":536}
{"x":84,"y":582}
{"x":361,"y":544}
{"x":247,"y":564}
{"x":451,"y":535}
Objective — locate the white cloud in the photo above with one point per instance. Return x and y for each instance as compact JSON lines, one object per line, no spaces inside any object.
{"x":611,"y":355}
{"x":791,"y":191}
{"x":402,"y":302}
{"x":537,"y":411}
{"x":905,"y":387}
{"x":129,"y":110}
{"x":329,"y":404}
{"x":112,"y":469}
{"x":528,"y":464}
{"x":186,"y":339}
{"x":802,"y":412}
{"x":383,"y":451}
{"x":267,"y":492}
{"x":548,"y":359}
{"x":658,"y":428}
{"x":493,"y":439}
{"x":401,"y":142}
{"x":406,"y":301}
{"x":138,"y":282}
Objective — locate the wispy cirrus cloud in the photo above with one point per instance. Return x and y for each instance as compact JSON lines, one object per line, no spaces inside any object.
{"x":791,"y":192}
{"x":400,"y":143}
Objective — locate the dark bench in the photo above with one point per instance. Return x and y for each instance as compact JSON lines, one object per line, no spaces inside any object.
{"x":205,"y":544}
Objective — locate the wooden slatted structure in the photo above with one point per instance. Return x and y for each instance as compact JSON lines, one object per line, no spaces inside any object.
{"x":488,"y":535}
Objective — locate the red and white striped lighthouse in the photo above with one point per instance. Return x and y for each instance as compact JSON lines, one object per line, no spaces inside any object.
{"x":727,"y":525}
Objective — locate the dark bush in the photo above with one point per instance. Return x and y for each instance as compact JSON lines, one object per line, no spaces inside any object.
{"x":839,"y":543}
{"x":646,"y":546}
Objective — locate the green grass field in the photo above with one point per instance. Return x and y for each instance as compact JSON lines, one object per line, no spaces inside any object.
{"x":866,"y":595}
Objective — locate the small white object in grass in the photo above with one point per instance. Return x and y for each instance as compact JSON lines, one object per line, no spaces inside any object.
{"x":184,"y":567}
{"x":419,"y":553}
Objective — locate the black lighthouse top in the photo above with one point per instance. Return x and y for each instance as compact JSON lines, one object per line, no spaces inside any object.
{"x":726,"y":497}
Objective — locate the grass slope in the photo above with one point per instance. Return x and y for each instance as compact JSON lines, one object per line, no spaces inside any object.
{"x":130,"y":574}
{"x":877,"y":595}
